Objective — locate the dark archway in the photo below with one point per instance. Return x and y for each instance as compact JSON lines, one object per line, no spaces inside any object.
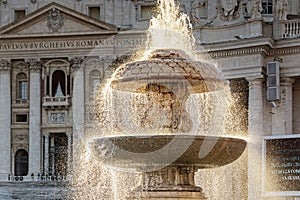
{"x":21,"y":163}
{"x":58,"y":77}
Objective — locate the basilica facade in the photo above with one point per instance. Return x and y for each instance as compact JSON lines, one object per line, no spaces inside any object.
{"x":55,"y":54}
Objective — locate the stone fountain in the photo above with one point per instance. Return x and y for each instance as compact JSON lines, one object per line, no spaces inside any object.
{"x":169,"y":156}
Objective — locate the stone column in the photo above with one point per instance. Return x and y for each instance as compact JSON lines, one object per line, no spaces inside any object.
{"x":34,"y":117}
{"x":255,"y":131}
{"x":77,"y":102}
{"x":46,"y":154}
{"x":69,"y":135}
{"x":5,"y":120}
{"x":282,"y":115}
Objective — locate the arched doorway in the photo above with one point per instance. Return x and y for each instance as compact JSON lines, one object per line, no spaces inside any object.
{"x":58,"y":80}
{"x":21,"y":163}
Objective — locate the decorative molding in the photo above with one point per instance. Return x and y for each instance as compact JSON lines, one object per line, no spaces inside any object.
{"x":35,"y":65}
{"x":5,"y":66}
{"x":57,"y":117}
{"x":17,"y":147}
{"x":20,"y":138}
{"x":20,"y":66}
{"x":55,"y":20}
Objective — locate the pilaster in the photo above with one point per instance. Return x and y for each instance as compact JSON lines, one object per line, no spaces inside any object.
{"x":46,"y":154}
{"x":5,"y":119}
{"x":282,"y":115}
{"x":255,"y":131}
{"x":69,"y":135}
{"x":77,"y":101}
{"x":35,"y":117}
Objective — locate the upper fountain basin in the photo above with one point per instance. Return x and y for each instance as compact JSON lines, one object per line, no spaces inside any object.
{"x":168,"y":67}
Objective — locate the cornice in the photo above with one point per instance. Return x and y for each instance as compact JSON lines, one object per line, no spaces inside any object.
{"x":238,"y":47}
{"x":240,"y":52}
{"x":285,"y":51}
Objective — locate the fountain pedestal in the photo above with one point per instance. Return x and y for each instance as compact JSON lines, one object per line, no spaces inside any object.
{"x":172,"y":182}
{"x":172,"y":195}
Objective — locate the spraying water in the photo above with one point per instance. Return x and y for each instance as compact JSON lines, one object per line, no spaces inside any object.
{"x":170,"y":29}
{"x":121,"y":113}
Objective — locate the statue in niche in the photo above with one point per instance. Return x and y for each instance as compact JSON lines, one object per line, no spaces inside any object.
{"x":256,"y":9}
{"x":196,"y":4}
{"x":282,"y":8}
{"x":228,"y":7}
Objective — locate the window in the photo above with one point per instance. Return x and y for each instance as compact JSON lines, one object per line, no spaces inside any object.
{"x":95,"y":81}
{"x":58,"y":84}
{"x":22,"y":87}
{"x":19,"y":14}
{"x":147,"y":12}
{"x":94,"y":12}
{"x":95,"y":85}
{"x":267,"y":6}
{"x":21,"y":118}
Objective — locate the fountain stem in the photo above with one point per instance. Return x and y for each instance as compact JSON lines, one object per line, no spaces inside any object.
{"x":171,"y":182}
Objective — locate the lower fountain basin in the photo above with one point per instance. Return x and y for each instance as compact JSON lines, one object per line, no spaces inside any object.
{"x":142,"y":152}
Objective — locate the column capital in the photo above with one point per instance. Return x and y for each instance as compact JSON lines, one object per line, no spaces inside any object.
{"x":69,"y":134}
{"x":34,"y":65}
{"x":287,"y":81}
{"x":255,"y":82}
{"x":76,"y":63}
{"x":46,"y":134}
{"x":5,"y":66}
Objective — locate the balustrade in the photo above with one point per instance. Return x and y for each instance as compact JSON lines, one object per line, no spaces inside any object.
{"x":290,"y":28}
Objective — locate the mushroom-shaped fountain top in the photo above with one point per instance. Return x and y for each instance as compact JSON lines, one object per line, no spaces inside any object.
{"x":167,"y":67}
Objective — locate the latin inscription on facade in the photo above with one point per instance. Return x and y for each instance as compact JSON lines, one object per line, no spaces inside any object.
{"x":57,"y":118}
{"x":30,"y":45}
{"x":282,"y":165}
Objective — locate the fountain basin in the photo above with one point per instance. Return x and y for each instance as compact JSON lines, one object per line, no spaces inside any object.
{"x":141,"y":152}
